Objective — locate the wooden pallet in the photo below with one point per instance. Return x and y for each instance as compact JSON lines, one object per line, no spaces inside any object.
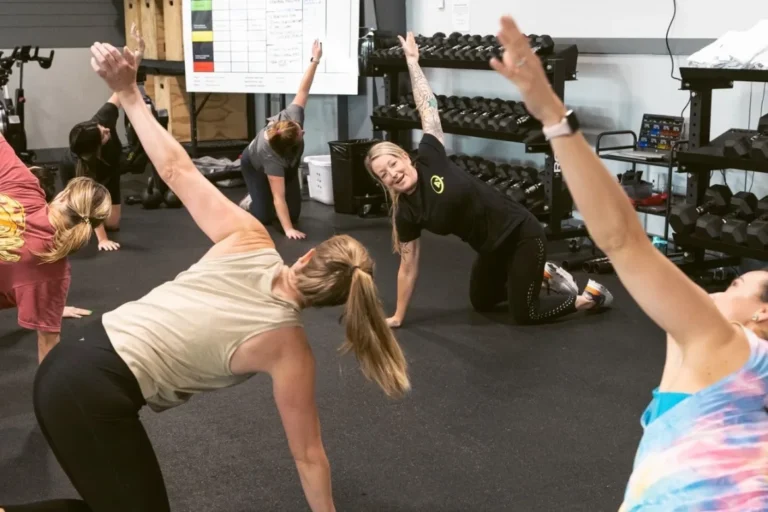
{"x":224,"y":116}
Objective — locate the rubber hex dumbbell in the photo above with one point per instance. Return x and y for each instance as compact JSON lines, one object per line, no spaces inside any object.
{"x":543,"y":45}
{"x":527,"y":194}
{"x":743,"y":206}
{"x":683,"y":218}
{"x":506,"y":176}
{"x":759,"y":149}
{"x":737,"y":147}
{"x":514,"y":176}
{"x":757,"y":233}
{"x":735,"y":230}
{"x":486,"y":170}
{"x":529,"y":176}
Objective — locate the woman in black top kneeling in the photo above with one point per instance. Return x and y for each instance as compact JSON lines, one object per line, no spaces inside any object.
{"x":95,"y":151}
{"x":436,"y":195}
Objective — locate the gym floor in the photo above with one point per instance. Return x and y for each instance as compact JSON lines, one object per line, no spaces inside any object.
{"x":501,"y":417}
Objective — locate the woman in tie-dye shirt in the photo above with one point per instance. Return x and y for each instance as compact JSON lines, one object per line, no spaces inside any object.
{"x":705,"y":442}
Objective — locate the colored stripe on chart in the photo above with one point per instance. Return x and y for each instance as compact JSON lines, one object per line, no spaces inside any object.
{"x":203,"y":67}
{"x":202,"y":37}
{"x":202,"y":5}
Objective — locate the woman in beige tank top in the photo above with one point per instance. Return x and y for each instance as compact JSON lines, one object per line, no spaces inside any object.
{"x":231,"y":315}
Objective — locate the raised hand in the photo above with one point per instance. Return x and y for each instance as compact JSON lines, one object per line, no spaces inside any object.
{"x":117,"y":69}
{"x":317,"y":50}
{"x":520,"y":65}
{"x":140,"y":44}
{"x":410,"y":48}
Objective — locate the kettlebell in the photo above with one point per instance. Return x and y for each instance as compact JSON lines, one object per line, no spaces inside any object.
{"x":172,"y":200}
{"x":151,"y":198}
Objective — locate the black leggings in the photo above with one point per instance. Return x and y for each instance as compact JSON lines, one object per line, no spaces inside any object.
{"x":87,"y":402}
{"x":514,"y":272}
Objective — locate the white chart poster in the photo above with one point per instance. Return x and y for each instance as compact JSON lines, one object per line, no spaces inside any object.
{"x":265,"y":46}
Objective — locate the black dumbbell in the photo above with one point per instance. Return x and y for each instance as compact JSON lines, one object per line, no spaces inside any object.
{"x":503,"y":123}
{"x":514,"y":175}
{"x":508,"y":177}
{"x":737,"y":147}
{"x":524,"y":194}
{"x":451,"y":53}
{"x":459,"y":159}
{"x":543,"y":45}
{"x":482,"y":121}
{"x":423,"y":43}
{"x":683,"y":217}
{"x":759,"y":148}
{"x":484,"y":169}
{"x":529,"y":176}
{"x":454,"y":117}
{"x":735,"y":230}
{"x":497,"y":105}
{"x":743,"y":206}
{"x":757,"y":233}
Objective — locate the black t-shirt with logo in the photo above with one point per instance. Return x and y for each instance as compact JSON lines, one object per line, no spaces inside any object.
{"x":450,"y":201}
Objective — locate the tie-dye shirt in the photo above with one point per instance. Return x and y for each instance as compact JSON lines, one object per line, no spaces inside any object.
{"x":710,"y":451}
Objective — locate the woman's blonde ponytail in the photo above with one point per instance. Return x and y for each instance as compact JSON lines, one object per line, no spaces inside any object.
{"x":371,"y":339}
{"x":341,"y":272}
{"x":82,"y":206}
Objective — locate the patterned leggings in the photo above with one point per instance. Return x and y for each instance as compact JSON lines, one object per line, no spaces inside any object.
{"x":514,"y":273}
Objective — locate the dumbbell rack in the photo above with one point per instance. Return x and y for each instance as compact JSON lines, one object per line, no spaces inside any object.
{"x":703,"y":156}
{"x":560,"y":67}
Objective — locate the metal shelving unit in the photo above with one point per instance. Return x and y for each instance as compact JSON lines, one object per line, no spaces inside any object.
{"x":705,"y":155}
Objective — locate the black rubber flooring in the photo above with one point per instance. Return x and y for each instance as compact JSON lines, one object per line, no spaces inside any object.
{"x":501,"y":417}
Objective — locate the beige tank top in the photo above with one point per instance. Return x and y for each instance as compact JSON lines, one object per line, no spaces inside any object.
{"x":179,"y":338}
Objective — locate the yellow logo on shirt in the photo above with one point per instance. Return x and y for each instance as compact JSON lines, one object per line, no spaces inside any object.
{"x":438,"y":185}
{"x":12,"y":226}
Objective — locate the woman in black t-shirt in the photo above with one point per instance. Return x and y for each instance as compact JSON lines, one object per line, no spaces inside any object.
{"x":95,"y":151}
{"x":434,"y":194}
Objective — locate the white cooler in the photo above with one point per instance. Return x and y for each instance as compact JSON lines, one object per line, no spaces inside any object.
{"x":320,"y":178}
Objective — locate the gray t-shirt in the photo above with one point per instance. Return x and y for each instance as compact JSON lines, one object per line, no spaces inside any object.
{"x":263,"y":157}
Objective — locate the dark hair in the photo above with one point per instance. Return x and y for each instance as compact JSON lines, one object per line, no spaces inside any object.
{"x":85,"y":143}
{"x":47,"y":178}
{"x":284,"y":136}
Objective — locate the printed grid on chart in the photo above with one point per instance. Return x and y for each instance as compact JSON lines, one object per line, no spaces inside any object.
{"x":269,"y":36}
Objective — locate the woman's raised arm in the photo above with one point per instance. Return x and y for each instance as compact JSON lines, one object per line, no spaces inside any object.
{"x":213,"y":212}
{"x":661,"y":289}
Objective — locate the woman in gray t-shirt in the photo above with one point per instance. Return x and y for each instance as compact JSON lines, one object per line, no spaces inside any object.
{"x":270,"y":163}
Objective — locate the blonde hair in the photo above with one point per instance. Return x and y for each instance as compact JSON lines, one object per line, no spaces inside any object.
{"x":387,"y":149}
{"x":82,"y":206}
{"x":283,"y":136}
{"x":341,"y":272}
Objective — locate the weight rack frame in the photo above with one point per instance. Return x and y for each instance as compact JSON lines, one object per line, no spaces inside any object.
{"x":699,"y":159}
{"x":560,"y":67}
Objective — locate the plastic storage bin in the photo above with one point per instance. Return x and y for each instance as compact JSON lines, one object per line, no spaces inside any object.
{"x":320,"y":178}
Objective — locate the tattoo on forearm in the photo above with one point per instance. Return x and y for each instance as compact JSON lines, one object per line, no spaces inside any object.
{"x":426,"y":102}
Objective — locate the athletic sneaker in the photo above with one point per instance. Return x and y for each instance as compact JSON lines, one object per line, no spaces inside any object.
{"x":599,"y":294}
{"x":245,"y":204}
{"x":559,"y":280}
